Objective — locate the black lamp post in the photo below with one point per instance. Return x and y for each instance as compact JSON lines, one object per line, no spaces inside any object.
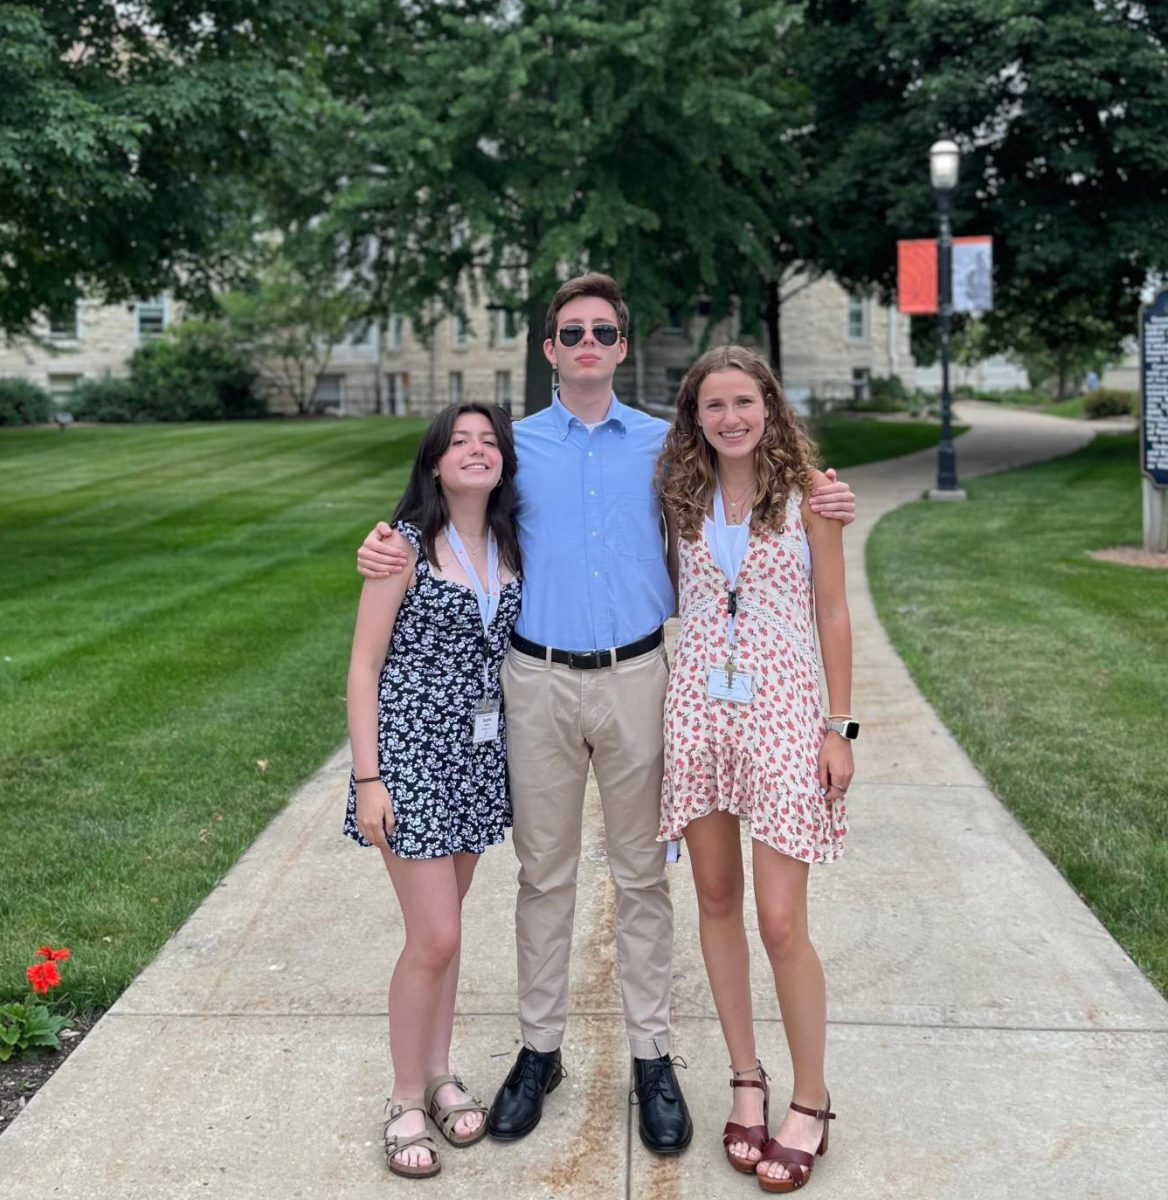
{"x":944,"y":159}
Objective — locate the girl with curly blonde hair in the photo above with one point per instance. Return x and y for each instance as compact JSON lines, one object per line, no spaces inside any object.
{"x":746,"y":734}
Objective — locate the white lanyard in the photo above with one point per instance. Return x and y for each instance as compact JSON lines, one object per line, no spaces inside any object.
{"x":729,"y":563}
{"x":488,"y":598}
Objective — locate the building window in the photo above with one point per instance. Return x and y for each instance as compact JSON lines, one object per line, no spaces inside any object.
{"x":675,"y":323}
{"x":393,"y":332}
{"x":455,"y":387}
{"x":503,"y":390}
{"x":861,"y":385}
{"x":458,"y":330}
{"x":673,"y":378}
{"x":397,"y":389}
{"x":857,"y":319}
{"x":506,"y":325}
{"x":328,"y":392}
{"x":62,"y":387}
{"x":64,"y":323}
{"x":151,"y":318}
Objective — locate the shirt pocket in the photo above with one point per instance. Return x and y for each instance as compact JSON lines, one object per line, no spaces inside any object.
{"x":634,"y":527}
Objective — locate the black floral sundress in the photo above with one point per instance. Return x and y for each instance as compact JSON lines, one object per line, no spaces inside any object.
{"x":448,"y":794}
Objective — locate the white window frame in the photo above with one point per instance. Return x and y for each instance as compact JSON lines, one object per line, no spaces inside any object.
{"x":459,"y":334}
{"x":393,"y":331}
{"x":160,"y":303}
{"x":397,"y":390}
{"x":504,"y":390}
{"x":857,"y":307}
{"x":502,"y":315}
{"x":61,"y":335}
{"x":339,"y":406}
{"x":455,"y":387}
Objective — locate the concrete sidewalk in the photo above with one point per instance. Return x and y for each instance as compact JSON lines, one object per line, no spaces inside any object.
{"x":987,"y":1035}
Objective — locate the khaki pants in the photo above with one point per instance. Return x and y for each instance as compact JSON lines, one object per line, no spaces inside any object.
{"x":558,"y":719}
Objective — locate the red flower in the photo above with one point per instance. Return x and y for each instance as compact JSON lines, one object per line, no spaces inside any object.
{"x":52,"y":955}
{"x":43,"y":976}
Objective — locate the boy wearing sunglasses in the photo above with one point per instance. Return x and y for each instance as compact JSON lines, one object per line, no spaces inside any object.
{"x":584,"y":682}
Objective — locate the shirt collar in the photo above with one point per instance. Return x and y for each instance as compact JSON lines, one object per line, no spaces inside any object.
{"x":616,"y":416}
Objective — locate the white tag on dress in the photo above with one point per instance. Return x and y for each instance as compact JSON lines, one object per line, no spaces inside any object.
{"x":672,"y":851}
{"x":486,"y":726}
{"x":735,"y":686}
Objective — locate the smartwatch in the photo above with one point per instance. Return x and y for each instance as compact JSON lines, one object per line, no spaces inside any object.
{"x":846,"y":727}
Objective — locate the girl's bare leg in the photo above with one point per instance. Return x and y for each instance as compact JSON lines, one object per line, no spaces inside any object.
{"x":715,"y":851}
{"x":780,"y":890}
{"x":438,"y":1057}
{"x":427,"y":890}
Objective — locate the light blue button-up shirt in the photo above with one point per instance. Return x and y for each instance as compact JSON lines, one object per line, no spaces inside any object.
{"x":590,"y":530}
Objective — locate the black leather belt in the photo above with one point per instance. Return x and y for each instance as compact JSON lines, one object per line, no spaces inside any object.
{"x":588,"y":660}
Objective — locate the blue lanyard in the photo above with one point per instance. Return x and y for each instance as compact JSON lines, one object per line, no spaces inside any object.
{"x":724,"y":556}
{"x":488,"y":598}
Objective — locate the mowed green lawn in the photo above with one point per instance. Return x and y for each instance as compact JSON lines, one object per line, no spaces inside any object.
{"x":176,"y":604}
{"x":1050,"y":668}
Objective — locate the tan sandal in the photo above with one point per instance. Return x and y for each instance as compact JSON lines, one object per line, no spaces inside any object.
{"x":446,"y":1116}
{"x":394,"y":1145}
{"x":793,"y":1159}
{"x":754,"y":1136}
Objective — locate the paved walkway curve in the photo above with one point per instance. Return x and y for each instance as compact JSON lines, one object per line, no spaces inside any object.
{"x":987,"y":1036}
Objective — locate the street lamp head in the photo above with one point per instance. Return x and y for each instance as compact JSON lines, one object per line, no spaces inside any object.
{"x":944,"y":158}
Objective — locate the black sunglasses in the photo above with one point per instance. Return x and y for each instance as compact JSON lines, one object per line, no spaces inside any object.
{"x":606,"y":335}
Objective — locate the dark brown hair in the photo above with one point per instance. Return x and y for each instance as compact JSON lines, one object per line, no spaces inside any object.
{"x":687,"y":470}
{"x":424,"y":505}
{"x":604,"y":287}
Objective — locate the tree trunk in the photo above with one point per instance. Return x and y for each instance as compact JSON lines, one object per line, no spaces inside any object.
{"x":773,"y":316}
{"x":537,"y":382}
{"x":1062,"y":358}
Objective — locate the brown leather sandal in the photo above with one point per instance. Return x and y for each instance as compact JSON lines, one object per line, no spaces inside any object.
{"x":447,"y":1116}
{"x":395,"y":1145}
{"x":792,"y":1159}
{"x":753,"y":1135}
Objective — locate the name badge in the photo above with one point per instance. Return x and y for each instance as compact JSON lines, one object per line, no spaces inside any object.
{"x":486,"y":725}
{"x":735,"y":686}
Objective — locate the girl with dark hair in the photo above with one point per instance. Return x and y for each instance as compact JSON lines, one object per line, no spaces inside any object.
{"x":746,"y":737}
{"x":429,"y":785}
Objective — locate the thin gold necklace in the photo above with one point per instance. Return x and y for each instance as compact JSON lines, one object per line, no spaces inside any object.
{"x":734,"y":504}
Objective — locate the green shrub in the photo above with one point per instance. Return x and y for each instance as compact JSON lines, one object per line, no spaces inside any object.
{"x":107,"y":399}
{"x":1109,"y":402}
{"x":195,"y":372}
{"x":24,"y":403}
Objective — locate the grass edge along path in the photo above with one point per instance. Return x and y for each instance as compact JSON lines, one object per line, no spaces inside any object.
{"x":1049,"y":668}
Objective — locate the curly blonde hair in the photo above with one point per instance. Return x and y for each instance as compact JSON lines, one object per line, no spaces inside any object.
{"x":687,"y":470}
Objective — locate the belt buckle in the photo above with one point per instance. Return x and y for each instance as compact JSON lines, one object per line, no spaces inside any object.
{"x":584,"y":660}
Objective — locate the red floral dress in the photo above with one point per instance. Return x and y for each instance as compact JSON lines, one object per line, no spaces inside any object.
{"x":757,"y":760}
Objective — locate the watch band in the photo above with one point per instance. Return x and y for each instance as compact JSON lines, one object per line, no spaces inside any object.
{"x":846,"y":727}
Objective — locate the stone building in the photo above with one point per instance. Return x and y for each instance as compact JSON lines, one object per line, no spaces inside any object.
{"x":833,"y":343}
{"x":88,"y":341}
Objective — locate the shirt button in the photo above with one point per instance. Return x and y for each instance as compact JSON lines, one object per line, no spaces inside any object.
{"x":589,"y":453}
{"x":594,"y":533}
{"x":596,"y":574}
{"x":592,"y":492}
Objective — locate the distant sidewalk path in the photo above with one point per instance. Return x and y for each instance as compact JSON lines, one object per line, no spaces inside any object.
{"x":988,"y":1037}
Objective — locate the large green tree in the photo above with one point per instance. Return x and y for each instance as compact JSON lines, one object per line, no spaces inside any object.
{"x":1061,"y":110}
{"x":132,"y":137}
{"x":498,"y":145}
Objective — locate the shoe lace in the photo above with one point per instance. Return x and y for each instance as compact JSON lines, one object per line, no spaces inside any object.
{"x":529,"y":1075}
{"x":656,"y":1080}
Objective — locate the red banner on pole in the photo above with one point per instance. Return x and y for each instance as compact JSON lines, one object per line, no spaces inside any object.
{"x":916,"y":276}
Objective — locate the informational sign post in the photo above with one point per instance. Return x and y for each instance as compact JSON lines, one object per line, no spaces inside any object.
{"x":1154,"y":420}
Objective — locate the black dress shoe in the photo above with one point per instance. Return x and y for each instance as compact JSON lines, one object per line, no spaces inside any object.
{"x":665,"y":1125}
{"x":518,"y":1105}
